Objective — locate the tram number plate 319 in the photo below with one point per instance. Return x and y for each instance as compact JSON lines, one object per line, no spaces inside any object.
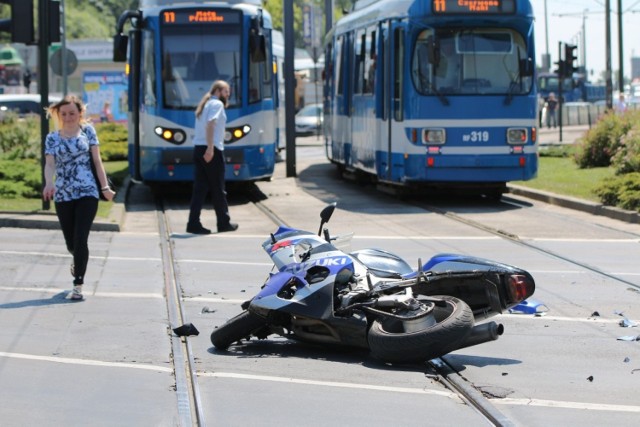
{"x":476,"y":136}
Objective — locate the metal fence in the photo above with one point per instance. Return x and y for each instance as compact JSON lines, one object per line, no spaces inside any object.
{"x":585,"y":113}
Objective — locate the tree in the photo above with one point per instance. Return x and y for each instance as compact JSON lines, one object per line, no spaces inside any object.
{"x":275,"y":8}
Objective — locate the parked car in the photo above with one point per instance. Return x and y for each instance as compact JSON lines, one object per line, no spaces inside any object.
{"x":309,"y":120}
{"x":23,"y":104}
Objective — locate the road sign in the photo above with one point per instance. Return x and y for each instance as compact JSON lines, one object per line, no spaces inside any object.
{"x":56,"y":62}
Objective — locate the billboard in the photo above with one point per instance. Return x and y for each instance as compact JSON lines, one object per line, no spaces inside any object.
{"x":105,"y":94}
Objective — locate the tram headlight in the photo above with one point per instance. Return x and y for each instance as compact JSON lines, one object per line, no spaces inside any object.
{"x":172,"y":135}
{"x":431,"y":136}
{"x":234,"y":134}
{"x":517,"y":136}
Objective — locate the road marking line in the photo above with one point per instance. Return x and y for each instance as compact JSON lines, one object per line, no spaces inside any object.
{"x":329,"y":384}
{"x":216,"y":300}
{"x":97,"y":294}
{"x":581,"y":240}
{"x":566,"y":404}
{"x":563,"y":318}
{"x":72,"y":361}
{"x":138,"y":259}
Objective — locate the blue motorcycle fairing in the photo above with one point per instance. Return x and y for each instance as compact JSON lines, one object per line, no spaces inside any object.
{"x":276,"y":281}
{"x":456,"y":262}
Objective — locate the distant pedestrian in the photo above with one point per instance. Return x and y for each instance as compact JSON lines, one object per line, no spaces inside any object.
{"x":105,"y":113}
{"x":208,"y":160}
{"x":621,"y":104}
{"x":551,"y":106}
{"x":68,"y":153}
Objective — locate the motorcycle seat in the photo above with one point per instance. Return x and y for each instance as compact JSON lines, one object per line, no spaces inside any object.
{"x":382,"y":263}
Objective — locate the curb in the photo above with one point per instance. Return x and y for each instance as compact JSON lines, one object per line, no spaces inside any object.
{"x":592,"y":208}
{"x":49,"y":220}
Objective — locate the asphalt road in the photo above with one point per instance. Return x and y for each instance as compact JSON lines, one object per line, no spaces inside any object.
{"x":108,"y":360}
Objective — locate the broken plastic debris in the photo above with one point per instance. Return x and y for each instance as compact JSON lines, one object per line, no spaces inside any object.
{"x":629,"y":338}
{"x":626,"y":323}
{"x":530,"y":306}
{"x":186,"y":330}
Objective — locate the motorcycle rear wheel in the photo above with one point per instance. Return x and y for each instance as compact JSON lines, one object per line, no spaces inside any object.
{"x":237,"y":328}
{"x":388,"y":341}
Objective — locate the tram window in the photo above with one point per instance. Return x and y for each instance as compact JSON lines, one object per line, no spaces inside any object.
{"x":359,"y":52}
{"x":341,"y":55}
{"x":484,"y":42}
{"x":369,"y":63}
{"x":267,"y":70}
{"x":470,"y":62}
{"x":149,"y":69}
{"x":398,"y":47}
{"x":192,"y":62}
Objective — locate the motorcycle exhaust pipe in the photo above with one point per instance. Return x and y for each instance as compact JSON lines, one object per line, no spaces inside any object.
{"x":482,"y":333}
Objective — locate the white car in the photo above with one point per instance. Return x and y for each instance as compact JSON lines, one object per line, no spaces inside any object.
{"x":309,"y":120}
{"x":23,"y":104}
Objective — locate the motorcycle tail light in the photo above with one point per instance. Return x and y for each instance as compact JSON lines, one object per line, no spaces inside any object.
{"x":520,"y":287}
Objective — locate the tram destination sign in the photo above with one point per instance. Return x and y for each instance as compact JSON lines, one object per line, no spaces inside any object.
{"x":473,"y":7}
{"x":199,"y":16}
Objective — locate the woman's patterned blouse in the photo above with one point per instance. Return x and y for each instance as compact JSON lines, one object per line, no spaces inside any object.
{"x":74,"y":178}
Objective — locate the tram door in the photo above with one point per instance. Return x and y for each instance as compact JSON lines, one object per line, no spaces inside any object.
{"x":363,"y":118}
{"x":389,"y":99}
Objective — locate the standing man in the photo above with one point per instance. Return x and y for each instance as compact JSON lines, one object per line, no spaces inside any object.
{"x":208,"y":159}
{"x":552,"y":107}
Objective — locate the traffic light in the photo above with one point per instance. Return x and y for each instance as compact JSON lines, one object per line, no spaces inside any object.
{"x":560,"y":70}
{"x":570,"y":59}
{"x":21,"y":23}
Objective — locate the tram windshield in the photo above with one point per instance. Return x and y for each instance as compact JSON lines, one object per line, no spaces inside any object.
{"x":192,"y":59}
{"x":485,"y":61}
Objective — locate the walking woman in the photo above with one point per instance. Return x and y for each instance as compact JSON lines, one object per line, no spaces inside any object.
{"x":208,"y":159}
{"x":68,"y":153}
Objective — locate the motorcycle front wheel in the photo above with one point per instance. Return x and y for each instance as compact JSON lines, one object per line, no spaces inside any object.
{"x":237,"y":328}
{"x":388,"y":341}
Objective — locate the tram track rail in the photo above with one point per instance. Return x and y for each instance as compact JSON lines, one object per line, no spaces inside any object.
{"x":507,"y":235}
{"x":190,"y":408}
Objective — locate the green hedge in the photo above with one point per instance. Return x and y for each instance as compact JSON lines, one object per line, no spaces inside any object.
{"x":622,"y":191}
{"x":20,"y":145}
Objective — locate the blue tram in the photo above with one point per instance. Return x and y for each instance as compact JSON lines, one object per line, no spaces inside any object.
{"x":174,"y":51}
{"x":433,"y":92}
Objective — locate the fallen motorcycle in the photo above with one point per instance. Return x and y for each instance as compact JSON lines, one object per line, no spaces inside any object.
{"x":373,"y":299}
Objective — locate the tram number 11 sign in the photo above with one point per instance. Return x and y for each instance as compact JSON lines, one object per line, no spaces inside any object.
{"x":472,"y":7}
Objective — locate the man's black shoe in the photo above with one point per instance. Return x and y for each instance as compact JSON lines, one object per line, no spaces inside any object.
{"x":229,"y":227}
{"x":198,"y":230}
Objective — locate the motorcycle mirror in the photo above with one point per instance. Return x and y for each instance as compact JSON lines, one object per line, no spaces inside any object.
{"x":325,"y":216}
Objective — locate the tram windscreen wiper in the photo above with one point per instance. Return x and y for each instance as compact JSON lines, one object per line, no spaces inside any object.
{"x":513,"y":86}
{"x":443,"y":99}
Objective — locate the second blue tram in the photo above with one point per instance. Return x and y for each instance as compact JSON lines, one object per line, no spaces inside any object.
{"x":176,"y":49}
{"x":433,"y":92}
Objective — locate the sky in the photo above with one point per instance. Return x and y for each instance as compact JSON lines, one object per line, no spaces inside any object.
{"x":565,"y":20}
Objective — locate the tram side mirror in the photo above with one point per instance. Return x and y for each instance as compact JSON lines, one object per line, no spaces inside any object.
{"x":258,"y":47}
{"x":526,"y":67}
{"x":120,"y":43}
